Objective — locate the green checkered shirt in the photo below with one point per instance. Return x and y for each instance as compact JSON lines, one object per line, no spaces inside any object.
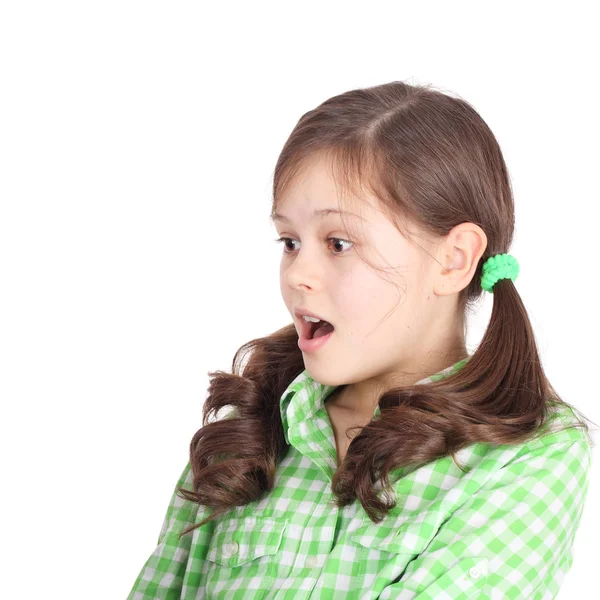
{"x":504,"y":528}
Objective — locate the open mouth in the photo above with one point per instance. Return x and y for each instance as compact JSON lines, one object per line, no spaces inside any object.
{"x":314,"y":330}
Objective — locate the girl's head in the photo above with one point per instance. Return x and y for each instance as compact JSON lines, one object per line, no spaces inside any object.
{"x":431,"y":200}
{"x":426,"y":180}
{"x":392,"y":291}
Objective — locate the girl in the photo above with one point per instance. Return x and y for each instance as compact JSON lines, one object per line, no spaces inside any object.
{"x":466,"y":474}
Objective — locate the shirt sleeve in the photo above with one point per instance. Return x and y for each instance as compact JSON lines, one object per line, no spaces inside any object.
{"x":162,"y":575}
{"x":513,"y":538}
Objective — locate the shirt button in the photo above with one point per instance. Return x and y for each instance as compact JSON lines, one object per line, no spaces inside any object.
{"x":231,"y":549}
{"x":474,"y":572}
{"x":311,"y":561}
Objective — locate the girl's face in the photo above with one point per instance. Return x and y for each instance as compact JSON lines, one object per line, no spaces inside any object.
{"x":385,"y":322}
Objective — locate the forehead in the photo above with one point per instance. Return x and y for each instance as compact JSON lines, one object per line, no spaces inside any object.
{"x":315,"y":195}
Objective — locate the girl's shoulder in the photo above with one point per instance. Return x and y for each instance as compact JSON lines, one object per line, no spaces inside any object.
{"x":564,"y":424}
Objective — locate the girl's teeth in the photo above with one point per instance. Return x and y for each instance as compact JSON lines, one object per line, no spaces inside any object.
{"x":311,"y":319}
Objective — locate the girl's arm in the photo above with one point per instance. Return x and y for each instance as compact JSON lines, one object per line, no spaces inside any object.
{"x":163,"y":574}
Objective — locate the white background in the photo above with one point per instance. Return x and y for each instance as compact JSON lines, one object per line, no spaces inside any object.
{"x":137,"y":146}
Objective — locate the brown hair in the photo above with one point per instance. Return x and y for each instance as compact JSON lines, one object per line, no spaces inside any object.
{"x":431,"y":160}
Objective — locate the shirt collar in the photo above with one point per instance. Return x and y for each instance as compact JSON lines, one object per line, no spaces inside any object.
{"x":304,"y":396}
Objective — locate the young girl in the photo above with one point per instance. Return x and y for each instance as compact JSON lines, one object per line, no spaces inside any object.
{"x":466,"y":475}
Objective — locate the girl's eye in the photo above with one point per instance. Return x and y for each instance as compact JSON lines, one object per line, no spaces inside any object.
{"x":287,"y":239}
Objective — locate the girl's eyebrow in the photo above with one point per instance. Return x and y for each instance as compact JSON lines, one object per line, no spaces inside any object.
{"x":323,"y":212}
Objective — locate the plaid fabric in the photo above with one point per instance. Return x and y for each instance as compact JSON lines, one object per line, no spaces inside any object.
{"x":501,"y":528}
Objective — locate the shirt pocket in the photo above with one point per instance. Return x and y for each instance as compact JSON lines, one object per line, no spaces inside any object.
{"x":402,"y":536}
{"x":387,"y":547}
{"x":243,"y":551}
{"x":240,"y":540}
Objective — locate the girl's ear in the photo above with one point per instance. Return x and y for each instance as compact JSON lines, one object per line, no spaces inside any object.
{"x":459,"y":256}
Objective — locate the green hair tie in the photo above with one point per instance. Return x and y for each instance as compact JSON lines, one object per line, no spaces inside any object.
{"x":499,"y":266}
